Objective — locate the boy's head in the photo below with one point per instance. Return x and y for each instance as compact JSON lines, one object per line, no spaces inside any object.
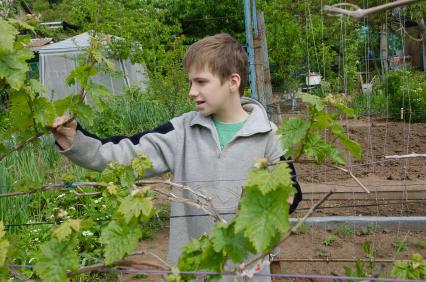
{"x":222,"y":54}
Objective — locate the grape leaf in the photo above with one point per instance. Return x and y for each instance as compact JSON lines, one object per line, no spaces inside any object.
{"x":99,"y":94}
{"x":132,"y":207}
{"x":44,"y":112}
{"x":292,"y":131}
{"x":55,"y":258}
{"x":263,"y":217}
{"x":140,"y":164}
{"x":317,"y":148}
{"x":313,"y":100}
{"x":4,"y":244}
{"x":120,"y":239}
{"x":353,"y":147}
{"x":8,"y":33}
{"x":234,"y":245}
{"x":267,"y":181}
{"x":13,"y":67}
{"x":200,"y":254}
{"x":336,"y":156}
{"x":84,"y":111}
{"x":66,"y":228}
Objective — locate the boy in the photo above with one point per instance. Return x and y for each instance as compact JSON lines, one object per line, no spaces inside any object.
{"x":211,"y":150}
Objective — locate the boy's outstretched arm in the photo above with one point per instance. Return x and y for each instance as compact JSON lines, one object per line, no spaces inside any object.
{"x":90,"y":151}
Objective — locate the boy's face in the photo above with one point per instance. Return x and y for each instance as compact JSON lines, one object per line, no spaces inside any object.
{"x":210,"y":95}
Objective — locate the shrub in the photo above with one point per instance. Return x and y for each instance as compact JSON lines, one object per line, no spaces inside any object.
{"x":407,"y":90}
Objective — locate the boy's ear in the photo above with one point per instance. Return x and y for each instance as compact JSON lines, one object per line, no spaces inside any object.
{"x":234,"y":82}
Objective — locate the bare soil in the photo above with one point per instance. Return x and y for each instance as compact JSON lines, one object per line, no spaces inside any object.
{"x":398,"y":188}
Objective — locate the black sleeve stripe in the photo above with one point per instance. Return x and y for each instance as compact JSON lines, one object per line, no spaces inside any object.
{"x":298,"y":195}
{"x":162,"y":129}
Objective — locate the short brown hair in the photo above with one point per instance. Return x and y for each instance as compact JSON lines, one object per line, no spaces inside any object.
{"x":222,"y":53}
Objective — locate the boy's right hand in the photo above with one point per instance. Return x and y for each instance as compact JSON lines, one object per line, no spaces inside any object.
{"x":64,"y":133}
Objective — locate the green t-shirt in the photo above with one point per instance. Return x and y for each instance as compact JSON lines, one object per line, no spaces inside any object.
{"x":226,"y":131}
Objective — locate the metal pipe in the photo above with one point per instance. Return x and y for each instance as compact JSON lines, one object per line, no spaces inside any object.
{"x":250,"y":50}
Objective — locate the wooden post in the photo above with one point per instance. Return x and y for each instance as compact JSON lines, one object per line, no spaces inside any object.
{"x":267,"y":86}
{"x":384,"y":49}
{"x":258,"y":61}
{"x":424,"y":53}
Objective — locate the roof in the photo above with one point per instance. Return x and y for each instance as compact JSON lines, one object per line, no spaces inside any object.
{"x":72,"y":44}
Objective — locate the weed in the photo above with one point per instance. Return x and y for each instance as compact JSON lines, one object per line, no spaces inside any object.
{"x":399,"y":245}
{"x":301,"y":230}
{"x":343,"y":231}
{"x":329,"y":240}
{"x":421,"y":245}
{"x":367,"y":230}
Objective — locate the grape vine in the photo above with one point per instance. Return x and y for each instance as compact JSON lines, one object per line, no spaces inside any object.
{"x":240,"y":246}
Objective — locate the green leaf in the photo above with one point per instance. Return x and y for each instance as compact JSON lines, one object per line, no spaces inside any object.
{"x":120,"y":239}
{"x":317,"y":148}
{"x":201,"y":255}
{"x":292,"y":132}
{"x":263,"y":218}
{"x":4,"y":244}
{"x":336,"y":156}
{"x":81,"y":74}
{"x":140,"y":164}
{"x":84,"y":111}
{"x":267,"y":181}
{"x":99,"y":94}
{"x":21,"y":25}
{"x":8,"y":33}
{"x":313,"y":101}
{"x":353,"y":147}
{"x":132,"y":207}
{"x":13,"y":67}
{"x":55,"y":258}
{"x":66,"y":228}
{"x":44,"y":112}
{"x":234,"y":245}
{"x":62,"y":105}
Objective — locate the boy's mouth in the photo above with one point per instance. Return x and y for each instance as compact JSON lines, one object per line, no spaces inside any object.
{"x":199,"y":102}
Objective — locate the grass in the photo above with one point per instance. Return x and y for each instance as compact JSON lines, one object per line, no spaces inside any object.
{"x":28,"y":169}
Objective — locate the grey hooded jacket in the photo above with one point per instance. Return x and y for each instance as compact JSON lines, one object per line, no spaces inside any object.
{"x":188,"y":146}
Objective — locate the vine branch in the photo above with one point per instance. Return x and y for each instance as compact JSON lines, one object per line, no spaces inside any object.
{"x":359,"y":13}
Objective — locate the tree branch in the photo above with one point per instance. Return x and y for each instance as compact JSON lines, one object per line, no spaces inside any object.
{"x":359,"y":13}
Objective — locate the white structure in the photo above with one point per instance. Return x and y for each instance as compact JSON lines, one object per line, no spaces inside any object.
{"x":57,"y":60}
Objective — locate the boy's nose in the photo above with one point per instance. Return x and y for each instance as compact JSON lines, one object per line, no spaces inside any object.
{"x":193,"y":92}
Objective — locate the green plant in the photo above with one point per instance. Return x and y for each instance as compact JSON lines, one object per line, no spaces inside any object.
{"x":329,"y":240}
{"x":367,"y":230}
{"x":399,"y":245}
{"x":421,"y":245}
{"x":407,"y":91}
{"x":410,"y":269}
{"x":344,"y":231}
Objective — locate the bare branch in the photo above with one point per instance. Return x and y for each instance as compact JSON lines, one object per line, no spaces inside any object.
{"x":123,"y":263}
{"x":18,"y":274}
{"x":359,"y":13}
{"x":201,"y":201}
{"x":412,"y":155}
{"x":354,"y":177}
